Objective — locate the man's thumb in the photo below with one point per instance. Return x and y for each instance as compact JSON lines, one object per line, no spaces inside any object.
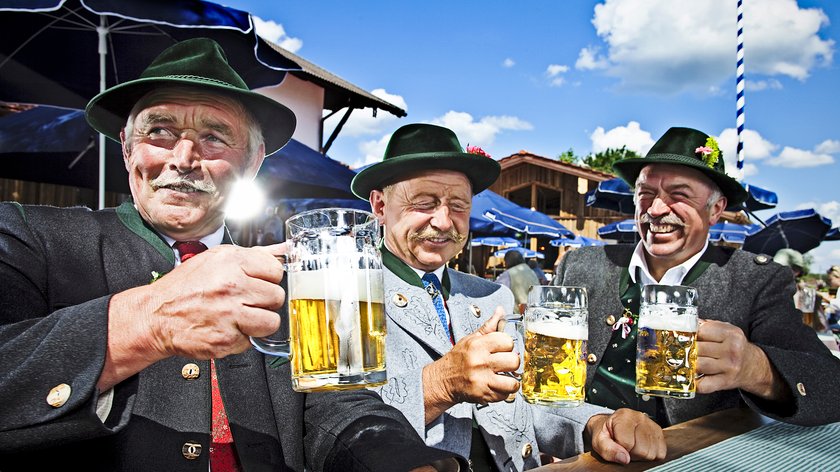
{"x":610,"y":450}
{"x":492,"y":325}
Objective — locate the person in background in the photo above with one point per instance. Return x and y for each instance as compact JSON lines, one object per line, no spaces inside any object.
{"x":752,"y":345}
{"x":124,"y":333}
{"x":831,"y":301}
{"x":446,"y":359}
{"x":805,"y":299}
{"x":518,"y":277}
{"x":536,"y":266}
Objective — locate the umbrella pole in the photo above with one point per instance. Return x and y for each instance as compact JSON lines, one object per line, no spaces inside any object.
{"x":469,"y":244}
{"x":749,"y":212}
{"x":102,"y":33}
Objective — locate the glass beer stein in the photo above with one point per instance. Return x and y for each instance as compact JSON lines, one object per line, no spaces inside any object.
{"x":556,"y":332}
{"x":666,"y":349}
{"x":336,"y":332}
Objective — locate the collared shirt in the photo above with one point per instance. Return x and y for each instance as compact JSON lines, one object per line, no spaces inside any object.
{"x":211,"y":240}
{"x":673,"y":276}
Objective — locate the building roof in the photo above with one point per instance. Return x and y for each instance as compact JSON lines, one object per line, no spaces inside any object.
{"x":338,"y":93}
{"x":525,"y":157}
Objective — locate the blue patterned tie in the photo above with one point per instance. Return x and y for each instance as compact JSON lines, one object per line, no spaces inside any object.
{"x":433,"y":288}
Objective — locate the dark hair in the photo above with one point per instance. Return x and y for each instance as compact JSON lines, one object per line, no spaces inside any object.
{"x":513,"y":258}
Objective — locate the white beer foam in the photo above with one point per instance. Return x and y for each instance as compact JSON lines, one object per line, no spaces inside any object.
{"x":320,"y":284}
{"x":557,"y":330}
{"x":662,"y":317}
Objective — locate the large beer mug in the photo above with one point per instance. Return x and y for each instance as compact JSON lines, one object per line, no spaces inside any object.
{"x":336,"y":316}
{"x":666,"y":349}
{"x":555,"y":331}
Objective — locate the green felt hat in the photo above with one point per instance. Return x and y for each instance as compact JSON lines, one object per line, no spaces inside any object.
{"x":197,"y":62}
{"x":688,"y":147}
{"x":418,"y":147}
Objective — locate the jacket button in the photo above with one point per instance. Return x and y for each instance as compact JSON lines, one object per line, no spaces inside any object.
{"x":527,"y":449}
{"x":191,"y":450}
{"x":475,"y":310}
{"x":399,"y":300}
{"x":511,"y":398}
{"x":190,"y":371}
{"x":801,"y":388}
{"x":59,"y":395}
{"x":591,"y":359}
{"x":610,"y":320}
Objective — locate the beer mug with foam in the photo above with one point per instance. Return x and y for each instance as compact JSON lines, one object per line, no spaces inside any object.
{"x":555,"y":332}
{"x":666,"y":347}
{"x":336,"y":332}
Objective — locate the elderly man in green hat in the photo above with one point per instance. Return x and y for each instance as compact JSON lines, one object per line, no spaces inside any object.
{"x":752,"y":346}
{"x":107,"y":366}
{"x":444,"y":352}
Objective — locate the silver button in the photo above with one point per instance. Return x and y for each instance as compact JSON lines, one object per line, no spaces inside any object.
{"x":191,"y":450}
{"x":475,"y":310}
{"x":190,"y":371}
{"x":527,"y":450}
{"x":59,"y":395}
{"x":399,"y":300}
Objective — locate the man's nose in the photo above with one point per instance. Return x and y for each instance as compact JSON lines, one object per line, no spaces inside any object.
{"x":441,"y":219}
{"x":185,"y":156}
{"x":658,"y":208}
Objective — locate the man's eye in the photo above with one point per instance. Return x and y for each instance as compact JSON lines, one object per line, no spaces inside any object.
{"x":159,"y":132}
{"x":424,"y":205}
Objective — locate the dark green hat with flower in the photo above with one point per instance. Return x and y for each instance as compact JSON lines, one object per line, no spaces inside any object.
{"x":197,"y":62}
{"x":691,"y":148}
{"x":420,"y":147}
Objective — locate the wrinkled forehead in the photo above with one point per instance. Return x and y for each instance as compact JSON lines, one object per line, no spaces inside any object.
{"x":438,"y":183}
{"x":665,"y":175}
{"x":189,"y":96}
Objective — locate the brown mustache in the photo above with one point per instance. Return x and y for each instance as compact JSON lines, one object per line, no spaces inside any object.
{"x":668,"y":219}
{"x":429,"y":233}
{"x":169,"y":181}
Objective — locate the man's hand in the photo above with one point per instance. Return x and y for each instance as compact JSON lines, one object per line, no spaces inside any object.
{"x":624,"y":436}
{"x":469,"y":372}
{"x":727,"y":360}
{"x":204,"y":308}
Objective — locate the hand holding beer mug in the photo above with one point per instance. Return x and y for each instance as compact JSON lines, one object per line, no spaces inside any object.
{"x":556,"y":331}
{"x":666,"y":352}
{"x":336,"y":317}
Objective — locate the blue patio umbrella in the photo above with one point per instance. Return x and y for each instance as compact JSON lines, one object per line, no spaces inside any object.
{"x":495,"y":241}
{"x":729,"y":232}
{"x":612,"y":194}
{"x":63,"y":52}
{"x":833,"y":234}
{"x":622,"y":231}
{"x":496,"y":208}
{"x":577,"y":241}
{"x":801,"y":230}
{"x":526,"y":253}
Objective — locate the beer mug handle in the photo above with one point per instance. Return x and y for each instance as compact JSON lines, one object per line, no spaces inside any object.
{"x":514,"y":326}
{"x":272,"y":347}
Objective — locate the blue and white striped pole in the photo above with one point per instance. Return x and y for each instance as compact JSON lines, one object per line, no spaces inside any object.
{"x":739,"y":88}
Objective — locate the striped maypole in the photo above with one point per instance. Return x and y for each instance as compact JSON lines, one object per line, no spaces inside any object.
{"x":739,"y":88}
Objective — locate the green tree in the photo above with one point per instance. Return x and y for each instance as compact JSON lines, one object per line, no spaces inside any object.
{"x":568,"y":157}
{"x":604,"y":160}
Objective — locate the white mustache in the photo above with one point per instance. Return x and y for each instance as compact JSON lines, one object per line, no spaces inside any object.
{"x":669,"y":219}
{"x":429,"y":233}
{"x":180,"y":182}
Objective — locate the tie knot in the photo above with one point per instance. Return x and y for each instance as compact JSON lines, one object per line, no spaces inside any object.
{"x":430,"y":280}
{"x":187,"y":249}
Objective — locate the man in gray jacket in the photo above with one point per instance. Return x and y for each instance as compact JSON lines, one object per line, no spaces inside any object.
{"x":444,"y":353}
{"x":752,"y":345}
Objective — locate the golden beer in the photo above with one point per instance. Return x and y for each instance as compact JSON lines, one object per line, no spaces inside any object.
{"x":555,"y":363}
{"x":337,"y":330}
{"x":666,"y":354}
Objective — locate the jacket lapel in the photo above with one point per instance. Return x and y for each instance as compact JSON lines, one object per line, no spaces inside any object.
{"x":412,"y":308}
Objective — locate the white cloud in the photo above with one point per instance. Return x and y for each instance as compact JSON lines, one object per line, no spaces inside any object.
{"x":372,"y":151}
{"x":792,"y":157}
{"x":589,"y":58}
{"x":756,"y":148}
{"x":480,"y":133}
{"x":759,"y":85}
{"x":275,"y":33}
{"x":830,"y":209}
{"x":508,"y":63}
{"x":668,"y":47}
{"x":631,"y":136}
{"x":554,"y":73}
{"x":362,"y":122}
{"x":829,"y":146}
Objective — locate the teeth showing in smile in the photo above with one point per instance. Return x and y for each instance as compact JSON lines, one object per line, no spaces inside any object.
{"x":662,"y":228}
{"x":182,"y":188}
{"x":438,"y":240}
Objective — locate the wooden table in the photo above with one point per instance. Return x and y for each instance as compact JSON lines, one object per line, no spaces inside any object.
{"x":682,"y":439}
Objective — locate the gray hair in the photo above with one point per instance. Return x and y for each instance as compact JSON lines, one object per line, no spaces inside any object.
{"x":255,"y":134}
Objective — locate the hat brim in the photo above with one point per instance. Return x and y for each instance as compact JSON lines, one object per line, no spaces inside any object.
{"x":108,"y":111}
{"x":629,"y":169}
{"x":481,"y":171}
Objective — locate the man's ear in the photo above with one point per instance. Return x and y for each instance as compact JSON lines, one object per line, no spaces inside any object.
{"x":250,"y":172}
{"x":124,"y":147}
{"x":377,"y":204}
{"x":717,"y":210}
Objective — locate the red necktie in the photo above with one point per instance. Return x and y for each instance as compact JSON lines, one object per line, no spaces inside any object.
{"x":222,"y":453}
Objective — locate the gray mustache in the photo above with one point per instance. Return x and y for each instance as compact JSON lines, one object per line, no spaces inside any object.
{"x":199,"y":185}
{"x":669,"y":219}
{"x":429,"y":233}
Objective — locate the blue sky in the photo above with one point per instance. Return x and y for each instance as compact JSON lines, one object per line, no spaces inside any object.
{"x":547,"y":76}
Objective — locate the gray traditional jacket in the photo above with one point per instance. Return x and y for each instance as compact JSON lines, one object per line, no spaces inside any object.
{"x":514,"y":432}
{"x":747,"y":290}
